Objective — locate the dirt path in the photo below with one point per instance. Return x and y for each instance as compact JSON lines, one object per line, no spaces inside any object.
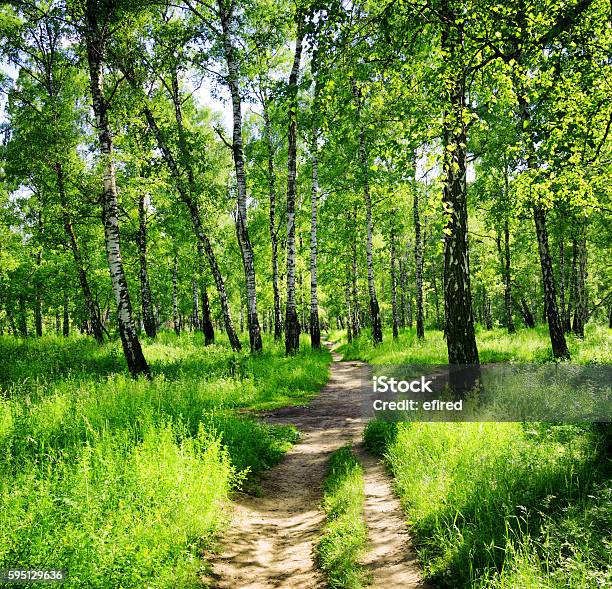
{"x":270,"y":542}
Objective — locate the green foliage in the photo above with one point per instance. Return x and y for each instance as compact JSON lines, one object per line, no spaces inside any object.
{"x":525,"y":346}
{"x":505,"y":505}
{"x":345,"y":534}
{"x":123,"y":482}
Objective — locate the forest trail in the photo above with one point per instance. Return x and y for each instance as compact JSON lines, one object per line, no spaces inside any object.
{"x":270,"y":543}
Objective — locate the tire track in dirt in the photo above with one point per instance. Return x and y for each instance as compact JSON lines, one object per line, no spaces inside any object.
{"x":270,"y":543}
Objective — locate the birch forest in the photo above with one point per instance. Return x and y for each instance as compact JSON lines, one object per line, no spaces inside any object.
{"x":214,"y":214}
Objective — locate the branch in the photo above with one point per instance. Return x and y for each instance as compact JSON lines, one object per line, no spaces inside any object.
{"x":220,"y":133}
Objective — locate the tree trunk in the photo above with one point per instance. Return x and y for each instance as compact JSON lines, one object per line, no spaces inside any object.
{"x":198,"y":229}
{"x":23,"y":318}
{"x":505,"y":263}
{"x":528,"y":317}
{"x":148,"y":318}
{"x":38,"y":318}
{"x":458,"y":315}
{"x":11,"y":318}
{"x":315,"y":329}
{"x":418,"y":265}
{"x":278,"y":318}
{"x":375,"y":319}
{"x":96,"y":49}
{"x":244,"y":241}
{"x":562,"y":307}
{"x":214,"y":268}
{"x":205,"y":321}
{"x":66,"y":317}
{"x":555,"y":329}
{"x":394,"y":311}
{"x":175,"y":313}
{"x":402,"y":284}
{"x":580,"y":294}
{"x":195,"y":316}
{"x":488,"y":317}
{"x":292,"y":329}
{"x":355,"y":320}
{"x":92,"y":309}
{"x":508,"y":279}
{"x":207,"y":324}
{"x":349,"y":312}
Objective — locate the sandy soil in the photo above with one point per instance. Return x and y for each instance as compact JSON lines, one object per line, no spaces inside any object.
{"x":271,"y":539}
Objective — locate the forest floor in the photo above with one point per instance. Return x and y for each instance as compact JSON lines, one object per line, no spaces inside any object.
{"x":272,"y":537}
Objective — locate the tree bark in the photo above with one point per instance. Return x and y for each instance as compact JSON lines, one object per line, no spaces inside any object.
{"x":23,"y":318}
{"x":38,"y":315}
{"x":278,"y":318}
{"x":551,"y":310}
{"x":355,"y":320}
{"x":505,"y":263}
{"x":175,"y":313}
{"x":292,"y":328}
{"x":458,"y":314}
{"x":148,"y":317}
{"x":195,"y":316}
{"x":394,"y":311}
{"x":349,"y":313}
{"x":580,"y":311}
{"x":528,"y":317}
{"x":207,"y":324}
{"x":96,"y":48}
{"x":402,"y":284}
{"x":418,"y":264}
{"x":555,"y":329}
{"x":315,"y":329}
{"x":486,"y":308}
{"x":562,"y":306}
{"x":66,"y":317}
{"x":216,"y":272}
{"x":508,"y":279}
{"x":244,"y":241}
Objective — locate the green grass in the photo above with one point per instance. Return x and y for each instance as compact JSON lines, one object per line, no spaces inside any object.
{"x":125,"y":482}
{"x":501,"y":505}
{"x":345,"y":534}
{"x":496,"y":345}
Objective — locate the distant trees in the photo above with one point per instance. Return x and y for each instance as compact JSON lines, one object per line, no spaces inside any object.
{"x":445,"y":163}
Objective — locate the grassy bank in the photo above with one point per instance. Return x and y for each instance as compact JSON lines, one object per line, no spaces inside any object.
{"x":122,"y":482}
{"x":501,"y":505}
{"x":345,"y":533}
{"x":496,"y":345}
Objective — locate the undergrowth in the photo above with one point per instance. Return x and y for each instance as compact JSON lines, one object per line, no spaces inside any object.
{"x":122,"y":482}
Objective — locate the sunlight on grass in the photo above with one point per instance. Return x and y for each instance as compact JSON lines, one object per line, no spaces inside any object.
{"x":124,"y":482}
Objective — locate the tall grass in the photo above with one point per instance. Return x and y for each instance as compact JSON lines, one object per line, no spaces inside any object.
{"x":125,"y":482}
{"x":496,"y":345}
{"x":503,"y":504}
